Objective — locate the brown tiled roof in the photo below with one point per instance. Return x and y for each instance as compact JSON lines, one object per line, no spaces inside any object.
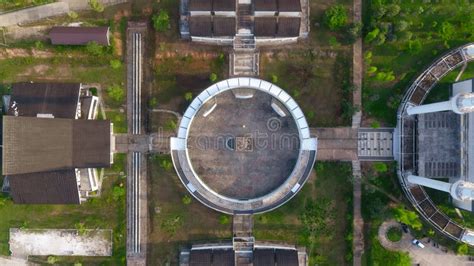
{"x":224,"y":26}
{"x":200,"y":26}
{"x":265,"y":5}
{"x":200,"y":5}
{"x":79,"y":35}
{"x":289,"y":5}
{"x":57,"y":187}
{"x":265,"y":26}
{"x":43,"y":144}
{"x":58,"y":99}
{"x":224,"y":5}
{"x":288,"y":27}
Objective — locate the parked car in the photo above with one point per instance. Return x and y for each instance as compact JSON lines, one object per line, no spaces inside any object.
{"x":416,"y":242}
{"x":405,"y":228}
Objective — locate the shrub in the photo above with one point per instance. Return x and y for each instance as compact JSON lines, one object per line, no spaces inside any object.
{"x":274,"y":78}
{"x":375,"y":124}
{"x":52,"y":260}
{"x":153,"y":102}
{"x":414,"y":47}
{"x":380,"y":167}
{"x":171,"y":224}
{"x":81,"y":228}
{"x":224,"y":219}
{"x":372,"y":70}
{"x":171,"y":125}
{"x":462,"y":249}
{"x":392,"y":10}
{"x":39,"y":45}
{"x":213,"y":77}
{"x":335,"y":17}
{"x":161,"y":22}
{"x":405,"y":36}
{"x":354,"y":31}
{"x":446,"y":31}
{"x":116,"y":93}
{"x":372,"y":35}
{"x":379,"y":11}
{"x":118,"y":193}
{"x":333,"y":42}
{"x":400,"y":25}
{"x":188,"y":96}
{"x":385,"y":76}
{"x":115,"y":64}
{"x":95,"y":49}
{"x":368,"y":57}
{"x":380,"y":39}
{"x":166,"y":164}
{"x":72,"y":15}
{"x":186,"y":200}
{"x":96,"y":6}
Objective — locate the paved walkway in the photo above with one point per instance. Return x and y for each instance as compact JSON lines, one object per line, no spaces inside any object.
{"x":336,"y":144}
{"x":428,"y":256}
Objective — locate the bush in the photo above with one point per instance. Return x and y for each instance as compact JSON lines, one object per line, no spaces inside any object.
{"x":379,"y":11}
{"x":400,"y":25}
{"x":171,"y":125}
{"x":153,"y":102}
{"x":394,"y":234}
{"x":380,"y":39}
{"x":371,"y":70}
{"x":166,"y":164}
{"x":171,"y":224}
{"x":335,"y":17}
{"x":392,"y":10}
{"x":407,"y":217}
{"x":115,"y":64}
{"x":333,"y":42}
{"x":161,"y":22}
{"x":72,"y":15}
{"x":52,"y":260}
{"x":405,"y":36}
{"x":462,"y":249}
{"x":380,"y":167}
{"x":375,"y":124}
{"x":186,"y":200}
{"x":95,"y":49}
{"x":213,"y":77}
{"x":354,"y":31}
{"x":96,"y":6}
{"x":274,"y":78}
{"x":188,"y":96}
{"x":414,"y":47}
{"x":372,"y":35}
{"x":224,"y":219}
{"x":116,"y":93}
{"x":446,"y":31}
{"x":118,"y":193}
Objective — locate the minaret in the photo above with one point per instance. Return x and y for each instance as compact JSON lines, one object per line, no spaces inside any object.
{"x":459,"y":190}
{"x":461,"y":103}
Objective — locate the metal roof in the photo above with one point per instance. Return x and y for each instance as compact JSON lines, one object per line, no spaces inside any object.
{"x":265,"y":26}
{"x":224,"y":26}
{"x":200,"y":26}
{"x":224,"y":5}
{"x":289,"y":5}
{"x":265,"y":5}
{"x":79,"y":35}
{"x":288,"y":27}
{"x":200,"y":5}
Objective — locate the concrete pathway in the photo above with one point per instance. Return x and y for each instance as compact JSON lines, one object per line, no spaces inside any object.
{"x":428,"y":256}
{"x":336,"y":144}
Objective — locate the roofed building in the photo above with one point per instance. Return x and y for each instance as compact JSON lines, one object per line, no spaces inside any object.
{"x":79,"y":35}
{"x":47,"y":149}
{"x":200,"y":26}
{"x":288,"y":27}
{"x":265,"y":26}
{"x":223,"y":26}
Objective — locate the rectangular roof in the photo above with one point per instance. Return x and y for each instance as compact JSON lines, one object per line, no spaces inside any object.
{"x":200,"y":5}
{"x":263,"y":257}
{"x":33,"y":144}
{"x":200,"y":26}
{"x":57,"y":187}
{"x":286,"y":257}
{"x":288,"y":27}
{"x":58,"y":99}
{"x":289,"y":5}
{"x":224,"y":26}
{"x":200,"y":257}
{"x":224,"y":5}
{"x":79,"y":35}
{"x":265,"y":26}
{"x":265,"y":5}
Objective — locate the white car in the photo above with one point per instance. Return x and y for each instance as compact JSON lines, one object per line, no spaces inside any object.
{"x":416,"y":242}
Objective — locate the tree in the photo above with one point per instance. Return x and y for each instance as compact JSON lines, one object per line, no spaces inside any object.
{"x":52,"y":260}
{"x":115,"y":64}
{"x":335,"y":17}
{"x":95,"y":49}
{"x":161,"y":22}
{"x":116,"y":93}
{"x":380,"y":39}
{"x":118,"y":193}
{"x":354,"y":31}
{"x":400,"y":25}
{"x":380,"y":167}
{"x":462,"y":249}
{"x":375,"y":124}
{"x":379,"y":11}
{"x":446,"y":31}
{"x":414,"y":46}
{"x":166,"y":164}
{"x":372,"y":35}
{"x":371,"y":70}
{"x":407,"y":217}
{"x":224,"y":219}
{"x":186,"y":200}
{"x":392,"y":10}
{"x":213,"y":77}
{"x":72,"y":15}
{"x":96,"y":6}
{"x":188,"y":96}
{"x":405,"y":36}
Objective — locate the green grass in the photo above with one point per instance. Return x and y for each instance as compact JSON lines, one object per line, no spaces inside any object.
{"x":394,"y":234}
{"x":105,"y":212}
{"x":119,"y":120}
{"x":10,"y":5}
{"x":381,"y":99}
{"x":331,"y":193}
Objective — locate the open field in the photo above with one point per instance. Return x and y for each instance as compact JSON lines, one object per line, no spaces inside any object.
{"x":175,"y":222}
{"x":405,"y":44}
{"x":319,"y":217}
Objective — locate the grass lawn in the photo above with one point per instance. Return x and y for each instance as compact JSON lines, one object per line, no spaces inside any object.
{"x":394,"y":234}
{"x":10,"y":5}
{"x":174,"y":223}
{"x":427,"y":32}
{"x":105,"y":212}
{"x":325,"y":204}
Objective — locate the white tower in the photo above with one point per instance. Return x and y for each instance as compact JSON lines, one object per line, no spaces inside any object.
{"x":461,"y":103}
{"x":459,"y":190}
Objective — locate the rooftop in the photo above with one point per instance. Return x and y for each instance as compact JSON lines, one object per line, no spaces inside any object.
{"x":79,"y":35}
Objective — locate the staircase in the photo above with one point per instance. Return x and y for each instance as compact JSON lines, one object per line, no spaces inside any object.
{"x":244,"y":63}
{"x":243,"y":240}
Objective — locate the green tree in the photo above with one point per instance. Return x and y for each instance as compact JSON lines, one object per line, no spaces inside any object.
{"x":224,"y":219}
{"x":161,"y":22}
{"x":372,"y":35}
{"x":354,"y":31}
{"x":371,"y":70}
{"x":414,"y":46}
{"x":335,"y":17}
{"x":186,"y":200}
{"x":52,"y":260}
{"x":379,"y":11}
{"x":116,"y":93}
{"x":446,"y":31}
{"x":213,"y":77}
{"x":188,"y":96}
{"x":380,"y":167}
{"x":118,"y":193}
{"x":153,"y":102}
{"x":462,"y":249}
{"x":380,"y":39}
{"x":392,"y":10}
{"x":95,"y":49}
{"x":405,"y":36}
{"x":375,"y":124}
{"x":72,"y":15}
{"x":171,"y":125}
{"x":166,"y":164}
{"x":400,"y":25}
{"x":407,"y":217}
{"x":96,"y":6}
{"x":115,"y":64}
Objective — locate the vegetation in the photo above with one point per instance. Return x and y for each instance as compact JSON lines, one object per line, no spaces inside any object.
{"x":161,"y":22}
{"x":318,"y":217}
{"x":336,"y":17}
{"x":9,"y":5}
{"x":115,"y":63}
{"x":96,"y":5}
{"x":380,"y":167}
{"x":116,"y":93}
{"x":186,"y":199}
{"x":394,"y":234}
{"x":224,"y":219}
{"x":407,"y":217}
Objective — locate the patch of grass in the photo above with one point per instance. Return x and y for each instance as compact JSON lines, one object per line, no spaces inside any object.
{"x":331,"y":193}
{"x":10,"y":5}
{"x":119,"y":119}
{"x":394,"y":234}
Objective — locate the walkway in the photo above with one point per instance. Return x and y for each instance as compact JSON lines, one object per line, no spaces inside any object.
{"x":357,"y":73}
{"x":431,"y":255}
{"x":336,"y":144}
